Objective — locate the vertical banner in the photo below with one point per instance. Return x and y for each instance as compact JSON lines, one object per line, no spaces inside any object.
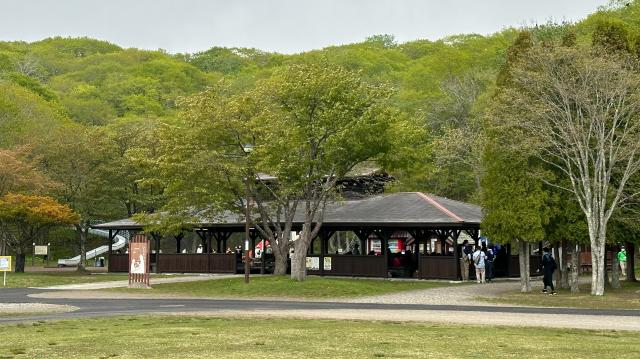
{"x":139,"y":248}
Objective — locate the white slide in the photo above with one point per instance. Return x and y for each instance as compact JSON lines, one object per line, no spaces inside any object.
{"x":118,"y":243}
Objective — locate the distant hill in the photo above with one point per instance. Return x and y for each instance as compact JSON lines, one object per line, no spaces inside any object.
{"x":94,"y":82}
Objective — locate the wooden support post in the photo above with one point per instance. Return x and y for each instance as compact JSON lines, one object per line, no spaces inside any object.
{"x":156,"y":237}
{"x":111,"y":237}
{"x":253,"y":245}
{"x":384,"y":236}
{"x":262,"y":256}
{"x":208,"y":251}
{"x":506,"y":270}
{"x":324,"y":239}
{"x":457,"y":253}
{"x":179,"y":242}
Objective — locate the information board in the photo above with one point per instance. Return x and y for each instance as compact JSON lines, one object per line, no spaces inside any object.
{"x":41,"y":250}
{"x":5,"y":264}
{"x":313,"y":263}
{"x":327,"y":263}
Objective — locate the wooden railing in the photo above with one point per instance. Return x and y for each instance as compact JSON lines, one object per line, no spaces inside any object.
{"x":353,"y":266}
{"x":438,"y":267}
{"x":118,"y":263}
{"x":181,"y":263}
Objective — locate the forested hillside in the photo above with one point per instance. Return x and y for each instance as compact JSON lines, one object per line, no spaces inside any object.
{"x":63,"y":85}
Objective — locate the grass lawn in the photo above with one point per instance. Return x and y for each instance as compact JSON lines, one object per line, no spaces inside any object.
{"x":192,"y":337}
{"x":22,"y":280}
{"x":282,"y":286}
{"x":628,"y":297}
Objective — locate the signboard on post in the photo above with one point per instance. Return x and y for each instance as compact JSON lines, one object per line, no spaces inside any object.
{"x":139,"y":248}
{"x":5,"y":266}
{"x":41,"y":250}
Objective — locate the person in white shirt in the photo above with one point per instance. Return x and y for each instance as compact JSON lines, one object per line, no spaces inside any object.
{"x":479,"y":261}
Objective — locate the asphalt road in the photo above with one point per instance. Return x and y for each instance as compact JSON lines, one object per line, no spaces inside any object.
{"x":110,"y":307}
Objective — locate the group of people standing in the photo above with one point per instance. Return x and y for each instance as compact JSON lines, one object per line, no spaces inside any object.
{"x":482,"y":260}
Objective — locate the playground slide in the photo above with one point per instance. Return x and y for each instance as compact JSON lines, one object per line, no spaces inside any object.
{"x":118,"y":243}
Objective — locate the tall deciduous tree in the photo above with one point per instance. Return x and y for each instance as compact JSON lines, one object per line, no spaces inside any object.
{"x":319,"y":121}
{"x":307,"y":126}
{"x":76,"y":158}
{"x":25,"y":217}
{"x":583,"y":110}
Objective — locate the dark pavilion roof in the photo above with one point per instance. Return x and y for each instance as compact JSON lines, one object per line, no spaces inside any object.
{"x":403,"y":209}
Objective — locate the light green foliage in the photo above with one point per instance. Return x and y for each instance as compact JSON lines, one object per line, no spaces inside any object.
{"x":319,"y":119}
{"x":25,"y":116}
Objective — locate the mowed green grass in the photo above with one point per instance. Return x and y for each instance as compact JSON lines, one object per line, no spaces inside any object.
{"x":193,"y":337}
{"x":284,"y":287}
{"x":23,"y":280}
{"x":628,"y":297}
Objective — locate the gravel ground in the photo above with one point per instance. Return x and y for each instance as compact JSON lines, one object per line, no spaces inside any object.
{"x":461,"y":294}
{"x":457,"y":294}
{"x":34,"y":308}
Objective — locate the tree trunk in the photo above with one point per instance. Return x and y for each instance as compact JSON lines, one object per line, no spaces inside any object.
{"x":615,"y":271}
{"x":299,"y":261}
{"x":523,"y":258}
{"x":82,"y":231}
{"x":598,"y":265}
{"x":20,"y":259}
{"x":3,"y":244}
{"x":564,"y":265}
{"x":631,"y":261}
{"x":280,"y":267}
{"x":575,"y":268}
{"x":558,"y":273}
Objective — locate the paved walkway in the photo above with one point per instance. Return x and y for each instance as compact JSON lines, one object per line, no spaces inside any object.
{"x":454,"y":304}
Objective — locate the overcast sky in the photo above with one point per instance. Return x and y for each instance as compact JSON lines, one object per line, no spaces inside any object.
{"x":286,"y":26}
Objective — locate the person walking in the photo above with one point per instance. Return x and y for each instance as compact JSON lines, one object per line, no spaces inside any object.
{"x":479,"y":259}
{"x":622,"y":259}
{"x":548,"y":267}
{"x":465,"y":259}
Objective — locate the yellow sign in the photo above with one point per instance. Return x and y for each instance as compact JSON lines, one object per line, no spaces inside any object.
{"x":5,"y":264}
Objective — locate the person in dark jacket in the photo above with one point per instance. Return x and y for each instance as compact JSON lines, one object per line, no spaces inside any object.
{"x":548,"y":267}
{"x":488,"y":262}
